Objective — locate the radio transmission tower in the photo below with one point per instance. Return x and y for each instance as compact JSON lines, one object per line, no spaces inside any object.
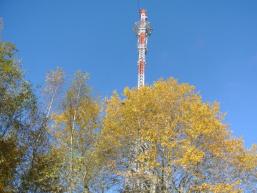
{"x":134,"y":181}
{"x":143,"y":30}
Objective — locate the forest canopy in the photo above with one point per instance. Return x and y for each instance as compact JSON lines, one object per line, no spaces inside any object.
{"x":159,"y":138}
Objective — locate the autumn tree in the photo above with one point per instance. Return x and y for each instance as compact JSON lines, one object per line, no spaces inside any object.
{"x":53,"y":83}
{"x":75,"y":132}
{"x":42,"y":173}
{"x":10,"y":157}
{"x":17,"y":105}
{"x":25,"y":149}
{"x":164,"y":138}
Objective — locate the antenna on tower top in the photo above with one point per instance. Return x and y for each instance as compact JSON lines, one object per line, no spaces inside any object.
{"x":143,"y":30}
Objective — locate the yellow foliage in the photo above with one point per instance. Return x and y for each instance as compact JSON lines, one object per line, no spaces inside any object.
{"x":177,"y":126}
{"x":191,"y":157}
{"x":217,"y":188}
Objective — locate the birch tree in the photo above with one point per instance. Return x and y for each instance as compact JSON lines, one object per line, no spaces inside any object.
{"x":75,"y":132}
{"x":53,"y":83}
{"x":42,"y":173}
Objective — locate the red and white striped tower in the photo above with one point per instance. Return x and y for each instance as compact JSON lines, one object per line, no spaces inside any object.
{"x":143,"y":31}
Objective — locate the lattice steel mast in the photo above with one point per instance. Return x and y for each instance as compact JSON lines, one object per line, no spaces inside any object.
{"x":143,"y":31}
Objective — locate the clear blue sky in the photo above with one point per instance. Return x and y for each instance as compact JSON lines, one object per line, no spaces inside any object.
{"x":210,"y":44}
